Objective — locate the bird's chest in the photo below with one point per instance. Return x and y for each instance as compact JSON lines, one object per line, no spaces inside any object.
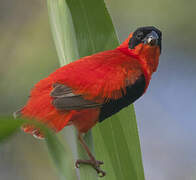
{"x":134,"y":91}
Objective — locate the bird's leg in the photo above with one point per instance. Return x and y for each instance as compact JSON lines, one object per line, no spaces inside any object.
{"x":93,"y":162}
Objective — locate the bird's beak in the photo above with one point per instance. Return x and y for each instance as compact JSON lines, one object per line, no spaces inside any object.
{"x":151,"y":39}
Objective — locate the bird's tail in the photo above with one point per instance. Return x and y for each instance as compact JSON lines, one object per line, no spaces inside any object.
{"x":31,"y":129}
{"x":17,"y":114}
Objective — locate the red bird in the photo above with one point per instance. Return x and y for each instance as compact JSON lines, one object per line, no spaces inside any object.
{"x":94,"y":87}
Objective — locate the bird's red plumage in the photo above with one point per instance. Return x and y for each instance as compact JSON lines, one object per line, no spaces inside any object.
{"x":94,"y":88}
{"x":98,"y":77}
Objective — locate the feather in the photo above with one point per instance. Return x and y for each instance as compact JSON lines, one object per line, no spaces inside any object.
{"x":65,"y":99}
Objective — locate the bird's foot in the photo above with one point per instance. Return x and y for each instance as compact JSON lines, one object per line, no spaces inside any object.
{"x":94,"y":163}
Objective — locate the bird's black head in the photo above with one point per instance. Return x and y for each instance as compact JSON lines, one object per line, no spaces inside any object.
{"x":146,"y":35}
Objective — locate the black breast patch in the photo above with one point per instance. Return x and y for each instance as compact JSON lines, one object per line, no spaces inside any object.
{"x":134,"y":91}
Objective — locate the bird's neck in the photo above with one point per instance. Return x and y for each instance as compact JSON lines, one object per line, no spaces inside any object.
{"x":147,"y":56}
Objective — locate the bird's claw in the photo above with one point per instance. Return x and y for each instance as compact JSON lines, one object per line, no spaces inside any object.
{"x":100,"y":172}
{"x":95,"y":164}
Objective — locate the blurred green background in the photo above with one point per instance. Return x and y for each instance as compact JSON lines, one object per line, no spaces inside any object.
{"x":165,"y":114}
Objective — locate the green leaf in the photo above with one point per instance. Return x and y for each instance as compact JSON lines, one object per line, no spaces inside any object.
{"x":62,"y":156}
{"x":93,"y":26}
{"x":8,"y":126}
{"x":116,"y":139}
{"x":67,"y":49}
{"x":84,"y":27}
{"x":120,"y":138}
{"x":63,"y":31}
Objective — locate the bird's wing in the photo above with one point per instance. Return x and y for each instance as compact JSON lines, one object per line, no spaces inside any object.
{"x":65,"y":99}
{"x":94,"y":80}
